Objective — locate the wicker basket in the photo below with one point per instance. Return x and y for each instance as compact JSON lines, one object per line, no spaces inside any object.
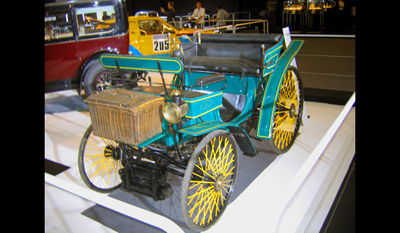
{"x":125,"y":116}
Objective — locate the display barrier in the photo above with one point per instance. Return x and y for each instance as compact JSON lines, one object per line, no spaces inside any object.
{"x":116,"y":205}
{"x":179,"y":20}
{"x":169,"y":226}
{"x":235,"y":23}
{"x":324,"y":36}
{"x":279,"y":205}
{"x":235,"y":27}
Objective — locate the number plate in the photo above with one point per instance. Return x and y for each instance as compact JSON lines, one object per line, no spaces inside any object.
{"x":160,"y":43}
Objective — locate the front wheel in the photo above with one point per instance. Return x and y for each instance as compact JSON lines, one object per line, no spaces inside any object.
{"x":209,"y":180}
{"x":99,"y":161}
{"x":288,"y":112}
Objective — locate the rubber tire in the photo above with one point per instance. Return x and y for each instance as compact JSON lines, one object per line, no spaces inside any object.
{"x":188,"y":176}
{"x":270,"y":142}
{"x":82,"y":168}
{"x":91,"y":72}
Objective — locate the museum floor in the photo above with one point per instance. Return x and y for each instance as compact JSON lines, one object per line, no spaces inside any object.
{"x":64,"y":130}
{"x":327,"y":67}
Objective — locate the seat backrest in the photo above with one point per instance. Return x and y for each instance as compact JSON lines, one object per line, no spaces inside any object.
{"x":231,"y":50}
{"x":247,"y":46}
{"x":241,"y":38}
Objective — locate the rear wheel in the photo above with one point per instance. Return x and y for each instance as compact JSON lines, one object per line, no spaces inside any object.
{"x":209,"y":180}
{"x":288,"y":112}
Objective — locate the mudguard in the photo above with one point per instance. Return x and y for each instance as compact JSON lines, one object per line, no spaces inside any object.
{"x":240,"y":135}
{"x":140,"y":63}
{"x":267,"y":111}
{"x":243,"y":140}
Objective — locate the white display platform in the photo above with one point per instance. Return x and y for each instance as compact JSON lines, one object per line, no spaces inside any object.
{"x":254,"y":210}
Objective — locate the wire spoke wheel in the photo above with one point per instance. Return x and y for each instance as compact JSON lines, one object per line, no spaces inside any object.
{"x":99,"y":162}
{"x":288,"y":112}
{"x":209,"y":180}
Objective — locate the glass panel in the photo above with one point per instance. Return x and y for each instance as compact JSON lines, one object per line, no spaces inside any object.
{"x":57,"y":26}
{"x":152,"y":27}
{"x":95,"y":20}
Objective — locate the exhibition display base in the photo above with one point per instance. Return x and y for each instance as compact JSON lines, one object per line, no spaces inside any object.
{"x":261,"y":183}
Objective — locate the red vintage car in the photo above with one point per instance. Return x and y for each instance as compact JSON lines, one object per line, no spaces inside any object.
{"x":76,"y":34}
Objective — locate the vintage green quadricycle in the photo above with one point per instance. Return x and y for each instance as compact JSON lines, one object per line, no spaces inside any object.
{"x":225,"y":88}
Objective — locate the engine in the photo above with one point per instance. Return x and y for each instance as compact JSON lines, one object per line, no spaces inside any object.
{"x":145,"y":176}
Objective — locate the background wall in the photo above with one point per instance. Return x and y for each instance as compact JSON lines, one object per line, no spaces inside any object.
{"x":183,"y":7}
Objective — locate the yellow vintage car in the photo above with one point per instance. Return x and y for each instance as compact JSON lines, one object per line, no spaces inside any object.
{"x":154,"y":36}
{"x":149,"y":35}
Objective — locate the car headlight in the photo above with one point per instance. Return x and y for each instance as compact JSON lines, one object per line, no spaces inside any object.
{"x":174,"y":113}
{"x":176,"y":46}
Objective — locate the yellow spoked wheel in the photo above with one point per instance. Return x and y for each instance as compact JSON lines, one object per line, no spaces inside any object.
{"x":288,"y":112}
{"x":209,"y":180}
{"x":99,"y":161}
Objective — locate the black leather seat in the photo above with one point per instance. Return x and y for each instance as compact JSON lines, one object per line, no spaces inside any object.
{"x":223,"y":65}
{"x":241,"y":38}
{"x":228,"y":53}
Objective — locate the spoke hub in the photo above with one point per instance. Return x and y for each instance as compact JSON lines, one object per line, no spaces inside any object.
{"x":218,"y":183}
{"x":115,"y":152}
{"x":292,"y":110}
